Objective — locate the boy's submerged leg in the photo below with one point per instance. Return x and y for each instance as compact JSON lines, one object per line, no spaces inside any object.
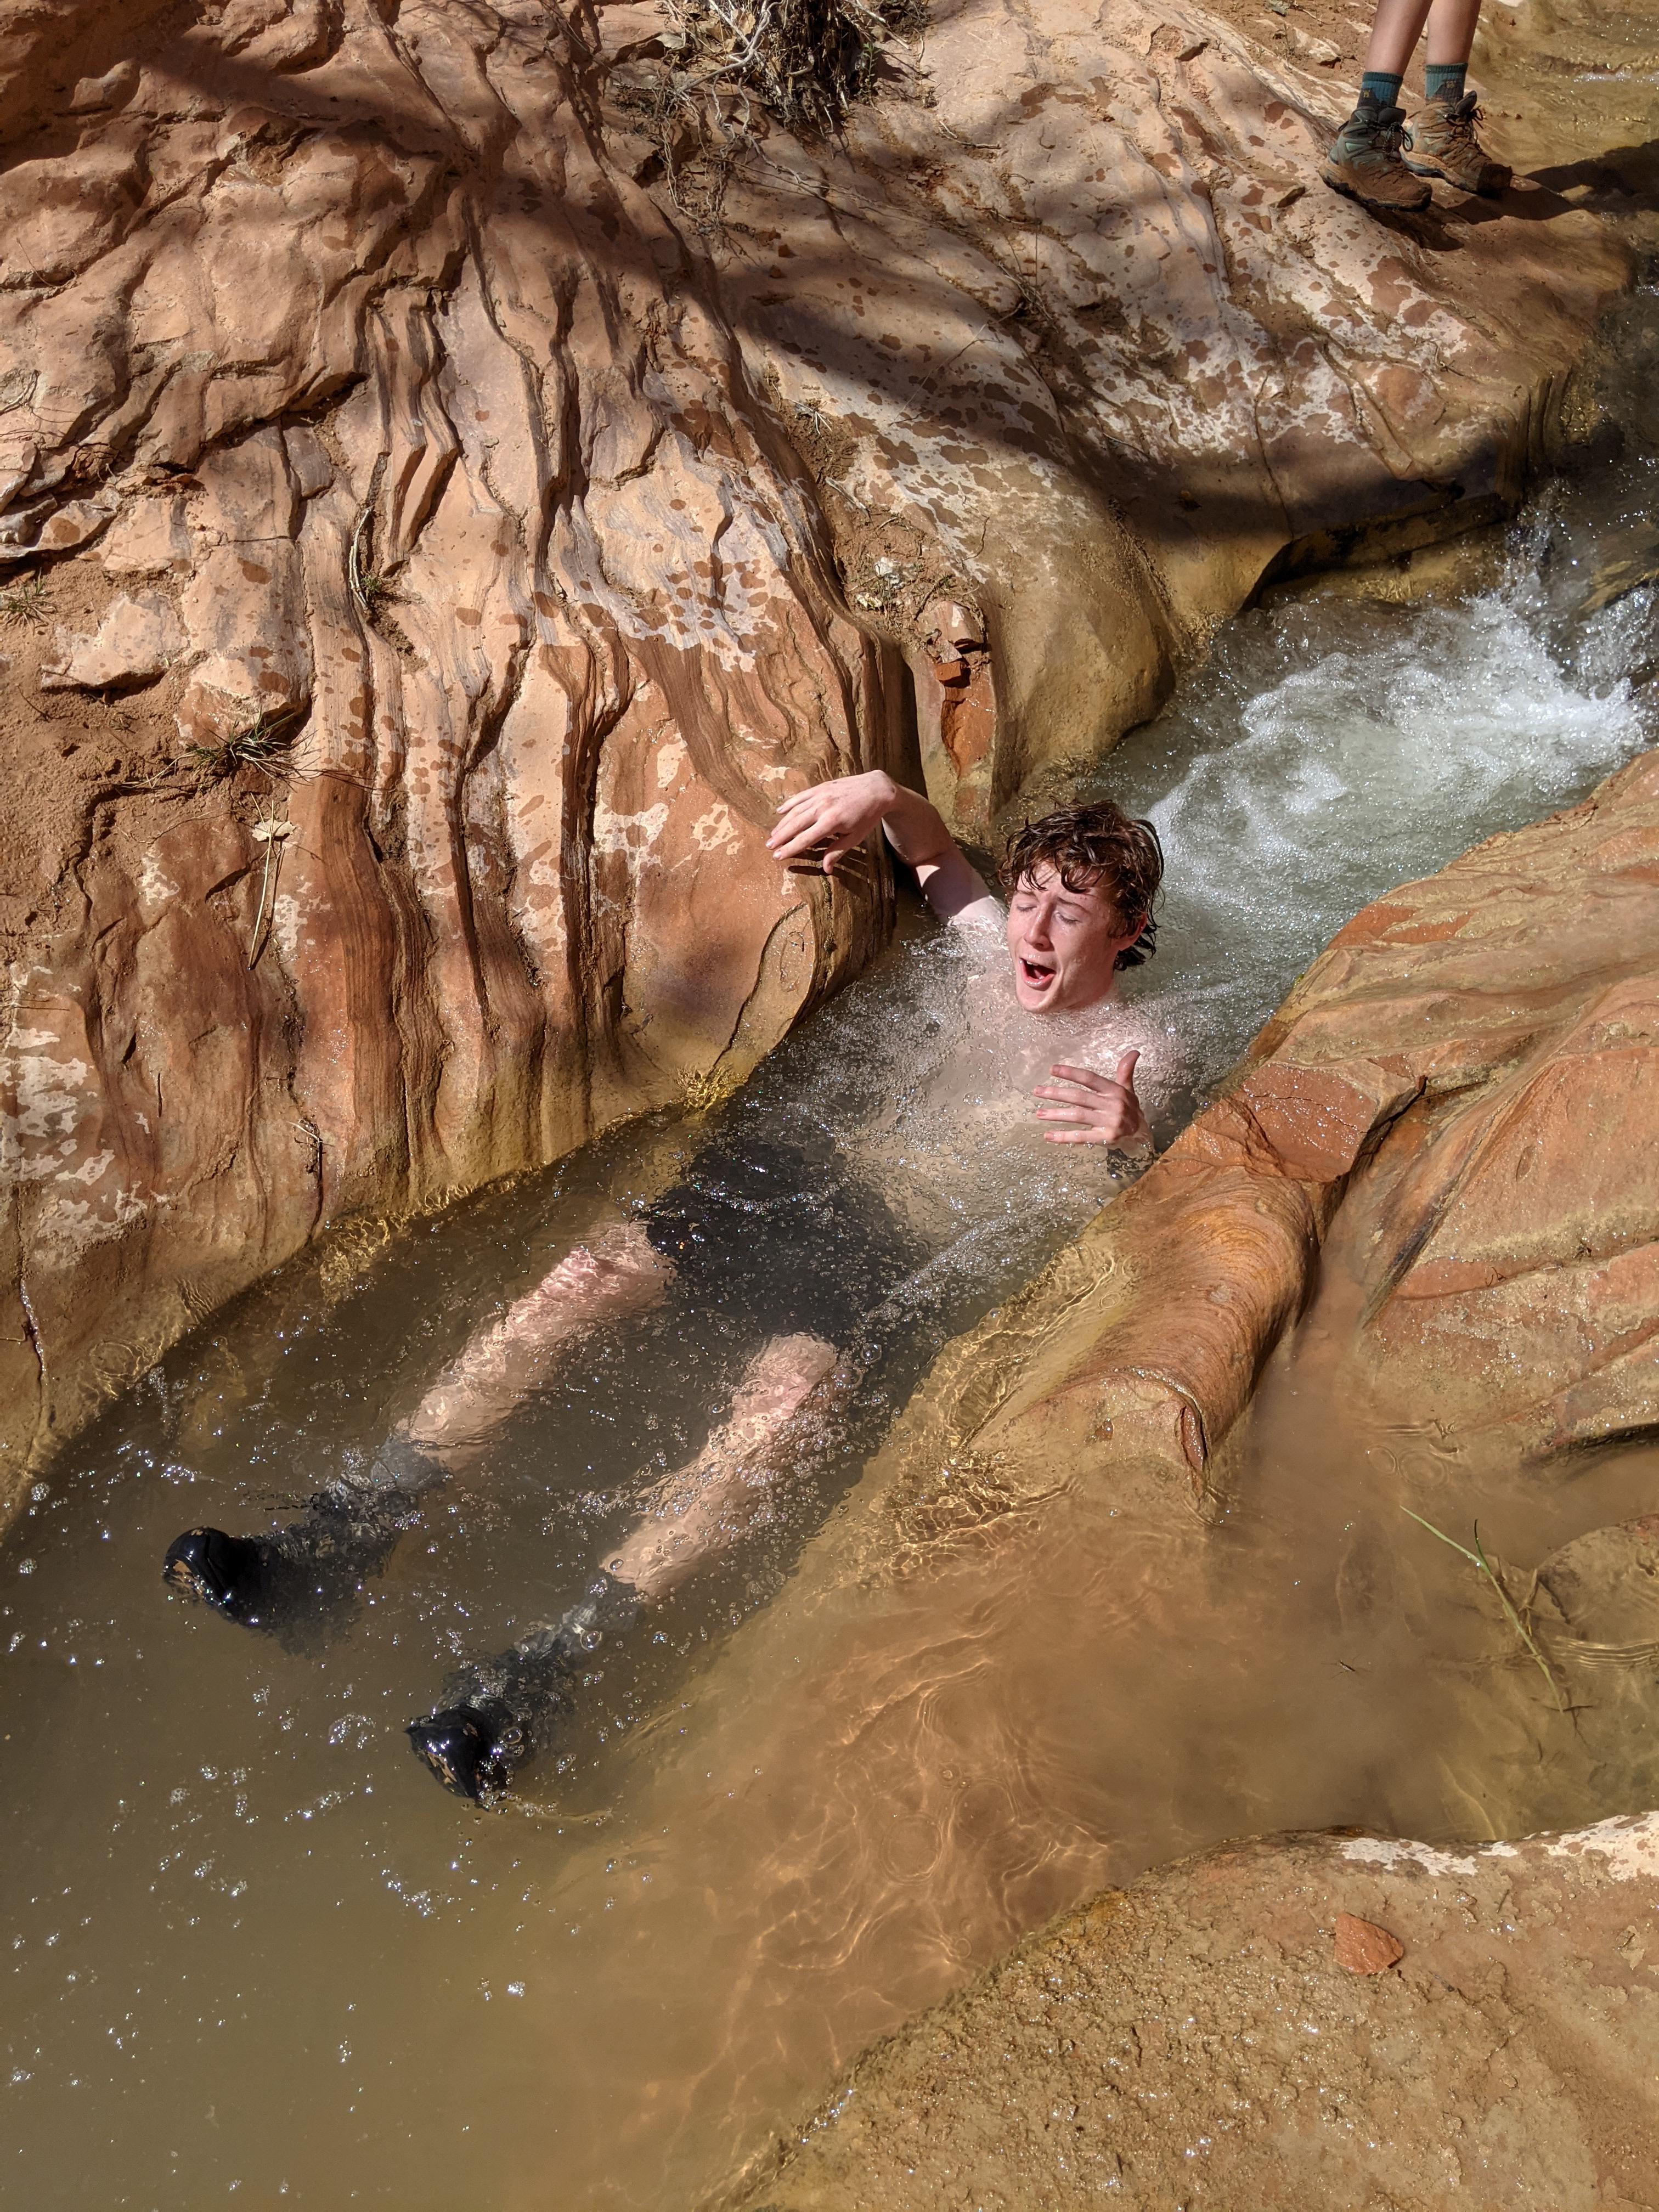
{"x":709,"y":1504}
{"x":474,"y":1745}
{"x":612,"y":1276}
{"x":352,"y":1527}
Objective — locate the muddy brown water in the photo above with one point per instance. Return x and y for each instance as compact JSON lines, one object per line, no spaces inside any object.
{"x":256,"y":1955}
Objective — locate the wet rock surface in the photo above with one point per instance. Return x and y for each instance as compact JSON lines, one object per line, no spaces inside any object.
{"x":437,"y":540}
{"x":1198,"y":2038}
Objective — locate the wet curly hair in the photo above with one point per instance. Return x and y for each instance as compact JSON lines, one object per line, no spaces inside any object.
{"x":1096,"y":842}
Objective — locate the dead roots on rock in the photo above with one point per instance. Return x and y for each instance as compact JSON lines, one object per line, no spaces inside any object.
{"x":734,"y":64}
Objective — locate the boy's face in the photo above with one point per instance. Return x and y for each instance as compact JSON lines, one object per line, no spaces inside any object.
{"x":1064,"y":944}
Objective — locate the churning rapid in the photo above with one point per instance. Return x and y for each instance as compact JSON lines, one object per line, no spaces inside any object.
{"x":255,"y":1952}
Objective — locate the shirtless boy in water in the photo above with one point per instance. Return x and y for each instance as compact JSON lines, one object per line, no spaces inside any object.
{"x":1081,"y":885}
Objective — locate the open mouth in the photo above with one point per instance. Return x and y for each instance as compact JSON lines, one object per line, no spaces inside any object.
{"x":1036,"y":973}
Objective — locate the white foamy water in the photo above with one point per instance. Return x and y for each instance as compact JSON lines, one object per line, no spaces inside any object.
{"x":1332,"y":750}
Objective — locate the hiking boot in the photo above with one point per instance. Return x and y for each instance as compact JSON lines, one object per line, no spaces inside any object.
{"x":472,"y":1751}
{"x":508,"y":1707}
{"x":227,"y":1572}
{"x":301,"y":1578}
{"x":1441,"y":143}
{"x":1364,"y":160}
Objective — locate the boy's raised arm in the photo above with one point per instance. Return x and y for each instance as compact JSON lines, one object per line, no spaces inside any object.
{"x":829,"y":820}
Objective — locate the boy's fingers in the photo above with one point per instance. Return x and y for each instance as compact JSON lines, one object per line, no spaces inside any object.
{"x":1068,"y":1114}
{"x":812,"y":795}
{"x":1099,"y":1092}
{"x":1126,"y":1068}
{"x":819,"y":857}
{"x":801,"y":837}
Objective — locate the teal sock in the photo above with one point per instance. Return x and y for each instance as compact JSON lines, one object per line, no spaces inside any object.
{"x":1383,"y":88}
{"x":1444,"y":80}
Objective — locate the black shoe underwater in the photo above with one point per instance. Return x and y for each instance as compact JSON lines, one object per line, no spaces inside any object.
{"x":508,"y":1707}
{"x":471,"y":1752}
{"x":227,"y":1572}
{"x":307,"y":1575}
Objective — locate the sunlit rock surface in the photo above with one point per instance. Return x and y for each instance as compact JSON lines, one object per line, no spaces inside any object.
{"x":432,"y":553}
{"x":1197,"y":2038}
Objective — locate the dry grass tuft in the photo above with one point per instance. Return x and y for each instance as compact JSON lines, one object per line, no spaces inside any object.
{"x":24,"y":601}
{"x":263,"y":743}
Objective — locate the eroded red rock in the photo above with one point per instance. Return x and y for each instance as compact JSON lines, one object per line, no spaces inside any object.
{"x":1197,"y":2008}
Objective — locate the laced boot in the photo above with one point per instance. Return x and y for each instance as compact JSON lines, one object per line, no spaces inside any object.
{"x":1364,"y":160}
{"x":1441,"y":143}
{"x":311,"y":1572}
{"x":508,"y":1707}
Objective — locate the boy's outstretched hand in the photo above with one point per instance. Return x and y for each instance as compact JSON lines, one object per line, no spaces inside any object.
{"x":1102,"y":1110}
{"x":827,"y":822}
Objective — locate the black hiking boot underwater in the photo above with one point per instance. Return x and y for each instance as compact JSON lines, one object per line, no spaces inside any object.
{"x":309,"y":1573}
{"x":508,"y":1708}
{"x":227,"y":1572}
{"x":1364,"y":160}
{"x":472,"y":1752}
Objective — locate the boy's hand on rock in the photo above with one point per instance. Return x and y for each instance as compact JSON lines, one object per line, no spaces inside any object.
{"x":829,"y":821}
{"x":1102,"y":1110}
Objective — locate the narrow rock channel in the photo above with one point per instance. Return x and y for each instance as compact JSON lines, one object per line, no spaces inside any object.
{"x":446,"y":499}
{"x":993,"y":1679}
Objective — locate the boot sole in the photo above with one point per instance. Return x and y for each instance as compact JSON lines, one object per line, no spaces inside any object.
{"x":1492,"y":191}
{"x":1380,"y":207}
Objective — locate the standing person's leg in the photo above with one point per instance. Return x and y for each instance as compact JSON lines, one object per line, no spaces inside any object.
{"x":1375,"y":158}
{"x":1364,"y":161}
{"x":1442,"y":141}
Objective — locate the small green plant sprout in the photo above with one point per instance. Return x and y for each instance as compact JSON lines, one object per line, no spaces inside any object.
{"x":25,"y":601}
{"x":1483,"y":1566}
{"x":262,"y":743}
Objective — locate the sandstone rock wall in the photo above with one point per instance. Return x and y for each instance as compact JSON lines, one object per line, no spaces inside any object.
{"x":435,"y":541}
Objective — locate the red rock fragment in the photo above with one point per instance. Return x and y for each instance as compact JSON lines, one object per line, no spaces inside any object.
{"x":1364,"y":1947}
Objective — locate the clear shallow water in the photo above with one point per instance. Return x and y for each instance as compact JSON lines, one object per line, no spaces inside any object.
{"x":254,"y":1956}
